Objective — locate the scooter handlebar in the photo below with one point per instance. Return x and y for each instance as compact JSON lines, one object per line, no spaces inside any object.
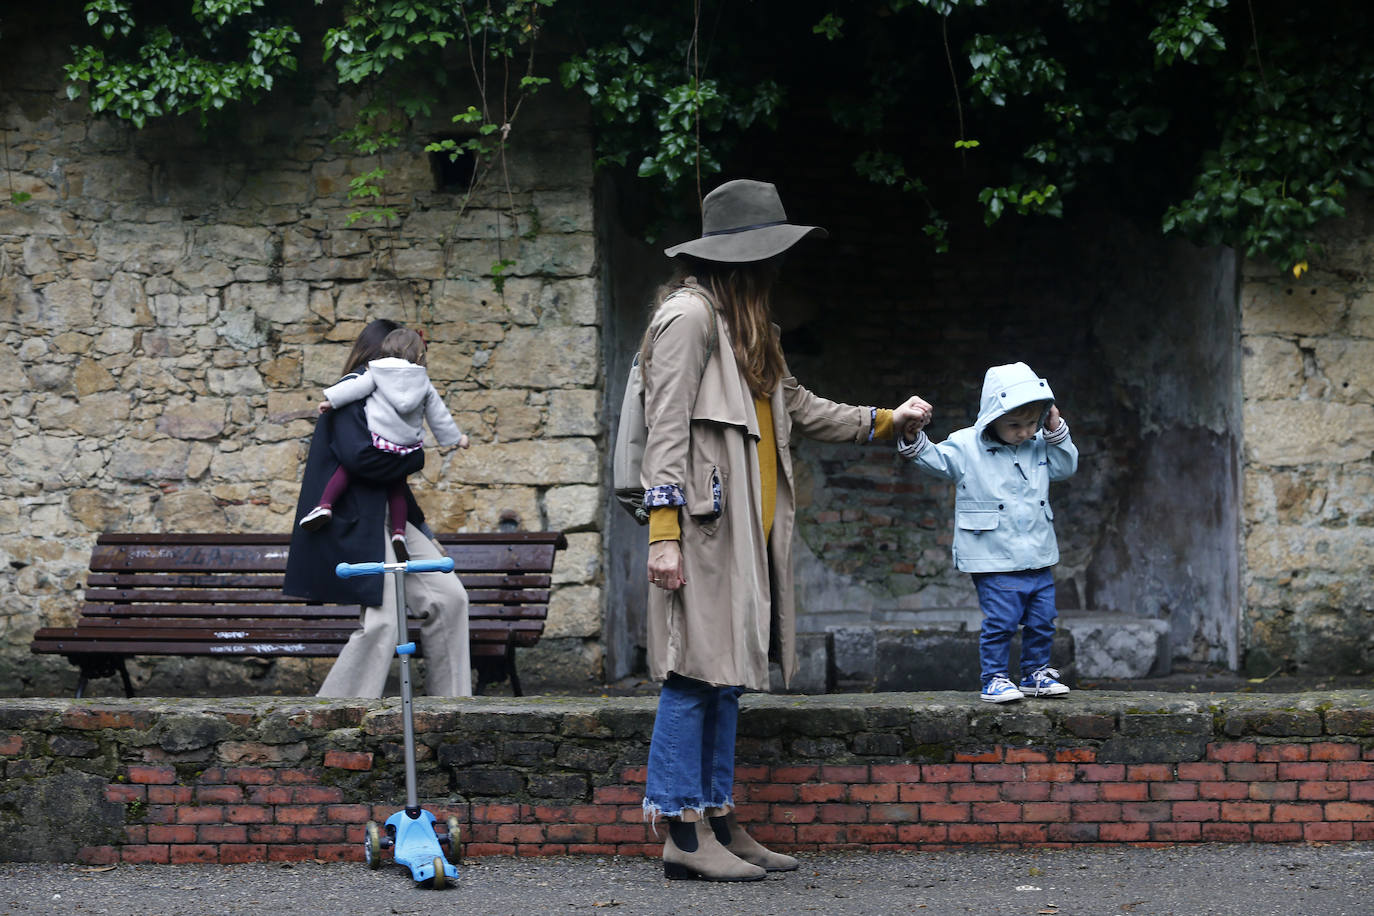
{"x":351,"y":570}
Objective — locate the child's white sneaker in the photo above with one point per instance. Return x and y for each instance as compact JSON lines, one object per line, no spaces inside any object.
{"x":1000,"y":690}
{"x":317,"y":517}
{"x":1043,"y":683}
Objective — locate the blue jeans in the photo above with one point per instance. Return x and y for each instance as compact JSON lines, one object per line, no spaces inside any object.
{"x":1010,"y":600}
{"x":692,"y":753}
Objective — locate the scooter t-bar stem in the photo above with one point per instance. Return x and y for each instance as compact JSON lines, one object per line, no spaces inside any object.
{"x":352,"y":570}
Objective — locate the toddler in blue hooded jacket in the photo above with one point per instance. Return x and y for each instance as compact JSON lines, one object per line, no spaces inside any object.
{"x":1004,"y":528}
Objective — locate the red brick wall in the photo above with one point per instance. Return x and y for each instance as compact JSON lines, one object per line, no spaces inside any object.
{"x":1250,"y":783}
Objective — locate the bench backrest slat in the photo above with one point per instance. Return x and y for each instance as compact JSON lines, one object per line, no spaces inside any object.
{"x":158,"y":612}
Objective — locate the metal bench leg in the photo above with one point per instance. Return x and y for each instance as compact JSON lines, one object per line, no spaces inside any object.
{"x":510,"y":666}
{"x":95,"y":666}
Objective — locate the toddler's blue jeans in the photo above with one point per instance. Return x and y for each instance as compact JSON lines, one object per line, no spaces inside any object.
{"x":1012,"y":600}
{"x":692,"y":753}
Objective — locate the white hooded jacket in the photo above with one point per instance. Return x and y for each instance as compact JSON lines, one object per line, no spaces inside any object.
{"x":1002,"y":516}
{"x":400,"y":399}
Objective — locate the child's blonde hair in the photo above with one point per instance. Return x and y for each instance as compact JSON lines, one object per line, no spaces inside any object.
{"x":1031,"y":411}
{"x":405,"y":344}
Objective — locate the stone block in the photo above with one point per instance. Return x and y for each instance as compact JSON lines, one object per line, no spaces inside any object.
{"x":565,"y":211}
{"x":538,"y":463}
{"x":1118,"y":645}
{"x":1153,"y":749}
{"x":571,"y":301}
{"x":1290,"y":308}
{"x":94,"y":417}
{"x":1308,"y":432}
{"x":1361,"y":320}
{"x":930,"y":727}
{"x":552,"y":663}
{"x":1271,"y":367}
{"x":1348,"y":366}
{"x":1135,"y":725}
{"x":941,"y":656}
{"x":813,"y":669}
{"x":572,"y":507}
{"x":574,"y":611}
{"x":158,"y":461}
{"x":234,"y":243}
{"x":853,"y":657}
{"x":574,"y":412}
{"x":546,"y":358}
{"x":581,"y":561}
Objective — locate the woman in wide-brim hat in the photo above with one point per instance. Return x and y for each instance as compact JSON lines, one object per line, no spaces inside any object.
{"x":721,"y":406}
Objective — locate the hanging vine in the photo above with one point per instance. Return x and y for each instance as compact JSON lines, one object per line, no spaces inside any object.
{"x":1155,"y":107}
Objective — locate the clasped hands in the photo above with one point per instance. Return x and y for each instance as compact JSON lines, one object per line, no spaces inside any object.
{"x":665,"y":557}
{"x":911,"y":417}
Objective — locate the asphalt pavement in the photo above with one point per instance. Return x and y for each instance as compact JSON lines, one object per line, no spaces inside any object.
{"x":1209,"y":880}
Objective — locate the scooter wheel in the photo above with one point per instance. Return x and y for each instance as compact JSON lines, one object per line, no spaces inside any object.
{"x":372,"y":847}
{"x":439,"y":874}
{"x":453,"y":838}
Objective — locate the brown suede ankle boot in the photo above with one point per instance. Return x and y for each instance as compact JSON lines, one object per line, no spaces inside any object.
{"x":732,"y":836}
{"x":693,"y":852}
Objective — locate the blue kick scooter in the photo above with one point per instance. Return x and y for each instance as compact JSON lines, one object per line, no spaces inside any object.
{"x":409,"y":833}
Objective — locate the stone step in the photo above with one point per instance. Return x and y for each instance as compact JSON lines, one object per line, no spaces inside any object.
{"x":937,"y":649}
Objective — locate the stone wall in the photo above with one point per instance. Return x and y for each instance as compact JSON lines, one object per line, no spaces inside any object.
{"x":255,"y":780}
{"x":1308,"y":358}
{"x":173,"y":300}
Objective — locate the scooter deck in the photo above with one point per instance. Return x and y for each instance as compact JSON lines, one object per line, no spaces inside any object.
{"x":416,"y":846}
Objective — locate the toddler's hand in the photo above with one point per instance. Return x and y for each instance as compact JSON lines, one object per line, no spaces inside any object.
{"x":325,"y":407}
{"x":1052,"y":421}
{"x":463,"y":441}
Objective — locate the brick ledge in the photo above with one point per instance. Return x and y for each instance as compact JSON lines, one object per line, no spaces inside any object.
{"x":282,"y":778}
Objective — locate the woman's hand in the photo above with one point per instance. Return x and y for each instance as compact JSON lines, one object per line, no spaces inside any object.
{"x":912,"y":416}
{"x":665,"y":565}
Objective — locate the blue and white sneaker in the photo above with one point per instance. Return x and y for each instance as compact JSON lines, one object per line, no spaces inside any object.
{"x":1043,"y":683}
{"x":1000,"y":690}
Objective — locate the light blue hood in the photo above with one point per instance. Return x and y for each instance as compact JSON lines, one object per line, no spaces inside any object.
{"x":1006,"y":388}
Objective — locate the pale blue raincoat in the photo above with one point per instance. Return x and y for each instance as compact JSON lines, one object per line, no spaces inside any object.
{"x":1002,"y":516}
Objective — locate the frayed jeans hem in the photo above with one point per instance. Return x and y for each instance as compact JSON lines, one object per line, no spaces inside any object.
{"x":653,"y":811}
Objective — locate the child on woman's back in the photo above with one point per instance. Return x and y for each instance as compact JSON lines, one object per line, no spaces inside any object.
{"x":1004,"y":530}
{"x":400,"y":398}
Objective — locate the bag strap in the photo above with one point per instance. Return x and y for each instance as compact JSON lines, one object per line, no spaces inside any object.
{"x":690,"y":286}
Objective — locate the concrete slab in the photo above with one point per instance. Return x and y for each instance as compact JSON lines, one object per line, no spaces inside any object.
{"x":1118,"y":645}
{"x":937,"y":648}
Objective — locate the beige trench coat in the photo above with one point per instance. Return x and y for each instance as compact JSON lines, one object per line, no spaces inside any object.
{"x":739,"y":593}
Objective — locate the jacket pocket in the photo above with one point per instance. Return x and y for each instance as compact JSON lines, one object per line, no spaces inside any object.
{"x":705,"y":491}
{"x":706,"y":499}
{"x":978,"y":516}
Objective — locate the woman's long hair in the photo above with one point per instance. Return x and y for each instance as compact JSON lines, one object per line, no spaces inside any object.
{"x":368,"y":346}
{"x":742,"y":293}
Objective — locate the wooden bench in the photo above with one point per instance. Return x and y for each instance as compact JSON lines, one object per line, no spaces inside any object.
{"x":220,"y":595}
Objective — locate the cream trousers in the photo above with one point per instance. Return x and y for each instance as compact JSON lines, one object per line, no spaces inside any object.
{"x":362,"y":667}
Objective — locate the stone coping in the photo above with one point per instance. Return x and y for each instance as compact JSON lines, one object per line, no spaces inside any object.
{"x":1078,"y":702}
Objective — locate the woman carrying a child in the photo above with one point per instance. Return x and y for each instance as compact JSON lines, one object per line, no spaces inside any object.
{"x":721,"y":407}
{"x":358,"y":530}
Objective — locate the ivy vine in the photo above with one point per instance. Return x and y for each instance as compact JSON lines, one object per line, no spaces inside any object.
{"x":1244,"y":122}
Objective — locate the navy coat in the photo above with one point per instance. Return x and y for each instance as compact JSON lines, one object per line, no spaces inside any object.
{"x":357,"y":533}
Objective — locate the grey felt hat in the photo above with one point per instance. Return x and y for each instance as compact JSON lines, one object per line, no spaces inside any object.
{"x":741,"y":221}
